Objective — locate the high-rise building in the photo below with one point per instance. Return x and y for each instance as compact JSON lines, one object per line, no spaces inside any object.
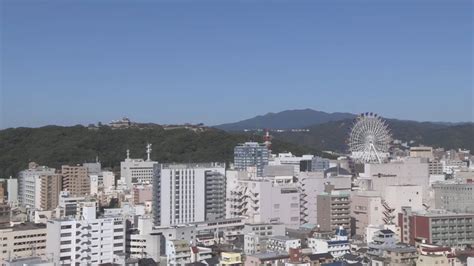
{"x":12,"y":191}
{"x":179,"y":192}
{"x":251,"y":154}
{"x":75,"y":180}
{"x":40,"y":187}
{"x":215,"y":195}
{"x":50,"y":187}
{"x":29,"y":184}
{"x":334,"y":211}
{"x":133,"y":171}
{"x":88,"y":240}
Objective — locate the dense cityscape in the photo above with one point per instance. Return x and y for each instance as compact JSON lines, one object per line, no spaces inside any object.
{"x":380,"y":204}
{"x":236,"y":132}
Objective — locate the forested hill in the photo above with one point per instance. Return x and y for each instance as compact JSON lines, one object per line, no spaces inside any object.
{"x":55,"y":145}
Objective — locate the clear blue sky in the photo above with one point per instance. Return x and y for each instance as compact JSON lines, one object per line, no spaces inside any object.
{"x":68,"y":62}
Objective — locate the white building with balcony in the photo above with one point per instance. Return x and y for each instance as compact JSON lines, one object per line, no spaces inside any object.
{"x":264,"y":201}
{"x":283,"y":243}
{"x":142,"y":242}
{"x":337,"y":246}
{"x":88,"y":240}
{"x":178,"y":252}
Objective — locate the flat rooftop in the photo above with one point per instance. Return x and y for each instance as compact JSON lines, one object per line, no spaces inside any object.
{"x":270,"y":255}
{"x":25,"y":226}
{"x":285,"y":238}
{"x":442,"y":213}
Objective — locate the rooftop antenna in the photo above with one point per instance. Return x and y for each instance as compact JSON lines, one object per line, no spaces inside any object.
{"x":128,"y":154}
{"x":148,"y":151}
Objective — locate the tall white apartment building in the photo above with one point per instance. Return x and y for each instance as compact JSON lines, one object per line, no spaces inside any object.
{"x":232,"y":182}
{"x":88,"y":240}
{"x":12,"y":191}
{"x":186,"y":193}
{"x":133,"y":171}
{"x":29,"y":184}
{"x":263,"y":201}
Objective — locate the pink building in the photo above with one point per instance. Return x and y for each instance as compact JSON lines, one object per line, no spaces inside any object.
{"x":142,"y":193}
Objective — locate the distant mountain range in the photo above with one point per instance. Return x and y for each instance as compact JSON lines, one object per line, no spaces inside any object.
{"x":286,"y":120}
{"x":329,"y":131}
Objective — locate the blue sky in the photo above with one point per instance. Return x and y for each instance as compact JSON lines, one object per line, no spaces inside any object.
{"x":69,"y":62}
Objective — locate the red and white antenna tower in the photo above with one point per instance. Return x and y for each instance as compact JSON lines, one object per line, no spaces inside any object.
{"x":267,"y":139}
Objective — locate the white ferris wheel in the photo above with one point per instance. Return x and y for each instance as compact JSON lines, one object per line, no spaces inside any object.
{"x":369,"y":139}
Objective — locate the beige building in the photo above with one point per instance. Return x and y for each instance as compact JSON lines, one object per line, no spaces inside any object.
{"x":409,"y":171}
{"x":49,"y":193}
{"x":2,"y":192}
{"x":23,"y":240}
{"x":423,"y":152}
{"x":367,"y":209}
{"x":334,"y":211}
{"x":399,"y":256}
{"x":430,"y":260}
{"x":75,"y":180}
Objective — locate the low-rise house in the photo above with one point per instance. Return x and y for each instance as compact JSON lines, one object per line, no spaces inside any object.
{"x":283,"y":243}
{"x":337,"y":245}
{"x":267,"y":258}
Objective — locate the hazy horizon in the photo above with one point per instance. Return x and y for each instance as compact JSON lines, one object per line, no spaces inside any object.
{"x":85,"y":123}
